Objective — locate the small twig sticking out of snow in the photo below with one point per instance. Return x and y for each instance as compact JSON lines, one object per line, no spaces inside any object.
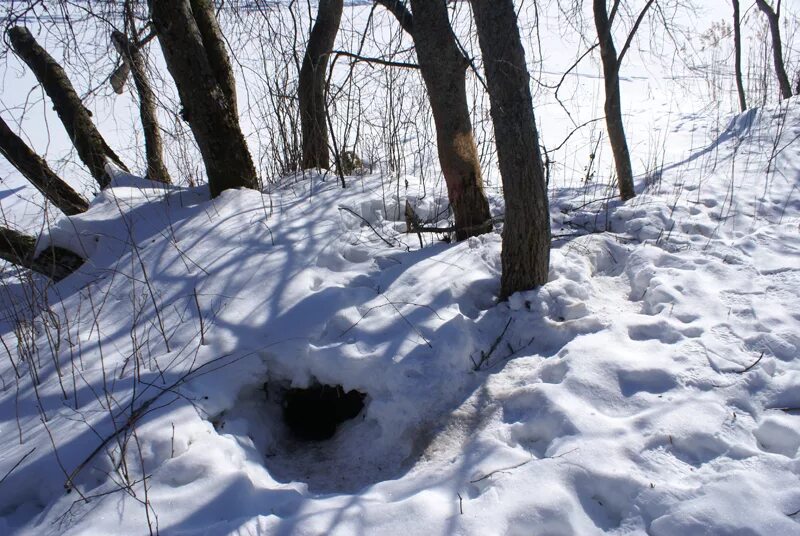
{"x":385,"y":241}
{"x":531,"y":459}
{"x":485,"y":356}
{"x":17,"y":464}
{"x":461,"y":504}
{"x":752,"y":365}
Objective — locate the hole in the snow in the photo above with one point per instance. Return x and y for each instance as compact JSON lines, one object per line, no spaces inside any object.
{"x":313,"y":413}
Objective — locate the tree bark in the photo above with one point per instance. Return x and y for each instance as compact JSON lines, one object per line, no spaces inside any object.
{"x":613,"y":106}
{"x":206,"y":106}
{"x":443,"y":68}
{"x":36,"y":170}
{"x":154,"y":148}
{"x":311,"y":85}
{"x":777,"y":48}
{"x":214,"y":43}
{"x":526,"y":233}
{"x":54,"y":262}
{"x":92,"y":148}
{"x":737,"y":51}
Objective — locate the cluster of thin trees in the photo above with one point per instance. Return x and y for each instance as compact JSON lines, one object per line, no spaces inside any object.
{"x":197,"y":58}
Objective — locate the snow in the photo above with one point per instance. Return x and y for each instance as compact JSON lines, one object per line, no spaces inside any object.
{"x":651,"y":386}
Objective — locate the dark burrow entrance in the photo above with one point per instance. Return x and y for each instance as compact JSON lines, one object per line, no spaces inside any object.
{"x":314,"y":413}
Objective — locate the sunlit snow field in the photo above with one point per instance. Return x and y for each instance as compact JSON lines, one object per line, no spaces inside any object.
{"x":651,"y":386}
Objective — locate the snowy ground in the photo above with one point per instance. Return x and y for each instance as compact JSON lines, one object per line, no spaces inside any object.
{"x":652,"y":386}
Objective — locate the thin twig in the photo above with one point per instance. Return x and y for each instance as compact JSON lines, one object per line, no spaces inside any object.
{"x":17,"y":464}
{"x":752,"y":365}
{"x":385,"y":241}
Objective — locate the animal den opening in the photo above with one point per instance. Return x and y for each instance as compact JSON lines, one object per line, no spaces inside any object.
{"x":321,"y":435}
{"x":314,"y":413}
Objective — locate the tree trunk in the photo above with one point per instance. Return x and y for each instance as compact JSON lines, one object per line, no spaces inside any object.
{"x":36,"y":170}
{"x":156,"y":170}
{"x":737,"y":51}
{"x":214,"y":43}
{"x":206,"y":106}
{"x":526,"y":232}
{"x":613,"y":107}
{"x":54,"y":262}
{"x":92,"y":148}
{"x":777,"y":48}
{"x":443,"y":69}
{"x":311,"y":85}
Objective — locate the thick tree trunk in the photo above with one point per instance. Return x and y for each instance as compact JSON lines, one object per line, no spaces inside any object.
{"x":311,"y":85}
{"x":92,"y":148}
{"x":214,"y":43}
{"x":613,"y":106}
{"x":54,"y":262}
{"x":205,"y":103}
{"x":36,"y":170}
{"x":154,"y":149}
{"x":737,"y":53}
{"x":526,"y":231}
{"x":777,"y":48}
{"x":443,"y":69}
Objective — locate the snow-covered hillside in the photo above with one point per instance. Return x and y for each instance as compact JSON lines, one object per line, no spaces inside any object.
{"x":651,"y":386}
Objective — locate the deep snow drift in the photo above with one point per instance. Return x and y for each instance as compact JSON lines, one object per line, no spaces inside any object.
{"x":651,"y":385}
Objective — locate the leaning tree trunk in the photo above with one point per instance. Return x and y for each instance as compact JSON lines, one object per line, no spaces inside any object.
{"x":92,"y":148}
{"x":613,"y":106}
{"x":214,"y":43}
{"x":36,"y":170}
{"x":526,"y":232}
{"x":154,"y":148}
{"x":311,"y":85}
{"x":737,"y":52}
{"x":54,"y":262}
{"x":206,"y":104}
{"x":777,"y":47}
{"x":443,"y":69}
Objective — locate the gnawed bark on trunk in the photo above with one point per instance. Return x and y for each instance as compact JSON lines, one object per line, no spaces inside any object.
{"x":443,"y":68}
{"x":206,"y":105}
{"x":526,"y":233}
{"x":773,"y":17}
{"x":737,"y":56}
{"x":154,"y":148}
{"x":613,"y":106}
{"x":35,"y":169}
{"x":92,"y":148}
{"x":311,"y":85}
{"x":54,"y":262}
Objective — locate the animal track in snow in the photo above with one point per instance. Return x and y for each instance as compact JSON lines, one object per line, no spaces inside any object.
{"x":654,"y":381}
{"x":660,"y":330}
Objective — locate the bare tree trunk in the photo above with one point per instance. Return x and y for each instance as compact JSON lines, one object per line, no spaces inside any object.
{"x":613,"y":107}
{"x":737,"y":51}
{"x":92,"y":148}
{"x":36,"y":170}
{"x":54,"y":262}
{"x":773,"y":17}
{"x":311,"y":85}
{"x":154,"y":149}
{"x":206,"y":105}
{"x":443,"y":69}
{"x":214,"y":43}
{"x":526,"y":232}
